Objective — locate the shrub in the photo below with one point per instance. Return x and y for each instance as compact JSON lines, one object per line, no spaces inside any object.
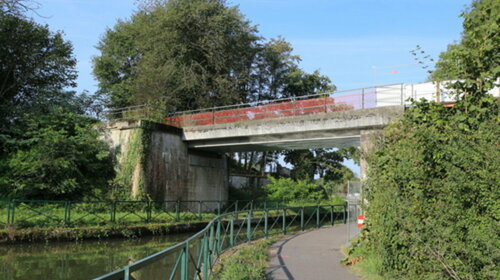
{"x":286,"y":189}
{"x":433,"y":193}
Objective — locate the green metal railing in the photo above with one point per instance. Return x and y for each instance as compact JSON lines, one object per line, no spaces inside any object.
{"x":195,"y":257}
{"x":49,"y":213}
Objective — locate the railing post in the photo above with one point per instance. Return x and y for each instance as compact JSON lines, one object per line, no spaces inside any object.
{"x":251,"y":204}
{"x":266,"y":217}
{"x":210,"y":247}
{"x":217,"y":236}
{"x":362,"y":98}
{"x":205,"y":256}
{"x":302,"y":218}
{"x":199,"y":210}
{"x":265,"y":204}
{"x":113,"y":211}
{"x":149,"y":211}
{"x":317,"y":216}
{"x":177,"y":210}
{"x":126,"y":273}
{"x":402,"y":97}
{"x":284,"y":220}
{"x":213,"y":116}
{"x":236,"y":208}
{"x":185,"y":262}
{"x":231,"y":230}
{"x":249,"y":226}
{"x":345,"y":213}
{"x":325,"y":103}
{"x":13,"y":212}
{"x":67,"y":206}
{"x":9,"y":212}
{"x":332,"y":220}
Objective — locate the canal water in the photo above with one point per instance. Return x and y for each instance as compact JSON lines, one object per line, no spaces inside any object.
{"x":79,"y":260}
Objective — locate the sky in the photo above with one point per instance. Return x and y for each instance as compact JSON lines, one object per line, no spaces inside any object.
{"x":356,"y":43}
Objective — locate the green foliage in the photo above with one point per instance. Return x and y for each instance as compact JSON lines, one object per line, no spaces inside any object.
{"x":48,"y":148}
{"x":247,"y":194}
{"x":185,"y":53}
{"x":248,"y":263}
{"x":188,"y":54}
{"x":35,"y":63}
{"x":433,"y":193}
{"x":286,"y":189}
{"x":59,"y":156}
{"x":433,"y":183}
{"x":325,"y":163}
{"x":467,"y":59}
{"x":130,"y":171}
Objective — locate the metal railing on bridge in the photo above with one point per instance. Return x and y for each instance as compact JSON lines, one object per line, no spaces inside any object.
{"x":195,"y":257}
{"x":342,"y":100}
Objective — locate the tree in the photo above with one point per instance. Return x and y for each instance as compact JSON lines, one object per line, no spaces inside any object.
{"x":276,"y":74}
{"x":321,"y":163}
{"x":48,"y":146}
{"x":190,"y":54}
{"x":33,"y":62}
{"x":59,"y":156}
{"x":18,"y":8}
{"x":475,"y":59}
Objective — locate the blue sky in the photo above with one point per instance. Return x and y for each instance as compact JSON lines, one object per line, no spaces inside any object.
{"x":355,"y":42}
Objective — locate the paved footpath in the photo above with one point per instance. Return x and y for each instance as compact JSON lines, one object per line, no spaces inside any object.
{"x":311,"y":255}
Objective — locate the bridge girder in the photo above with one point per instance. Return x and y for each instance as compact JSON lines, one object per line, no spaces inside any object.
{"x":328,"y":130}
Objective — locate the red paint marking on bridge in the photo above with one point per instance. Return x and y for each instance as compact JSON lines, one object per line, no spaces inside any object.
{"x":267,"y":111}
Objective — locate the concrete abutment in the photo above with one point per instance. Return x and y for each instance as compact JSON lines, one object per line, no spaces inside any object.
{"x":153,"y":161}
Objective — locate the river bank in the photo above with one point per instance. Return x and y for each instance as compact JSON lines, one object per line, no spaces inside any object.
{"x":30,"y":235}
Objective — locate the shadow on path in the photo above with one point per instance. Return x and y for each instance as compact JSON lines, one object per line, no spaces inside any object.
{"x":311,"y":255}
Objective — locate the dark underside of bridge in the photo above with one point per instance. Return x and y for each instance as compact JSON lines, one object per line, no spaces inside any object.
{"x":276,"y":142}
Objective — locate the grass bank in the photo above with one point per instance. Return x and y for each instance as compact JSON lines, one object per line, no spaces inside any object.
{"x":12,"y":235}
{"x":244,"y":262}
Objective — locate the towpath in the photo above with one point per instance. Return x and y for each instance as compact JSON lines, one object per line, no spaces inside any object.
{"x":311,"y":255}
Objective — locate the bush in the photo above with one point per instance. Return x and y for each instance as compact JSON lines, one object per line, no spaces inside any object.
{"x":247,"y":193}
{"x":433,"y":193}
{"x":286,"y":189}
{"x":64,"y":159}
